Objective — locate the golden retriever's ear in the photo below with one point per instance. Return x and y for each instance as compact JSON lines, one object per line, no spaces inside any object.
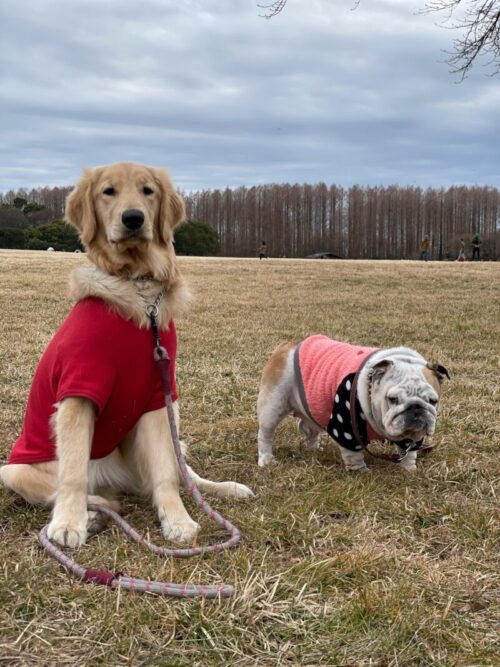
{"x":172,"y":211}
{"x":80,"y":210}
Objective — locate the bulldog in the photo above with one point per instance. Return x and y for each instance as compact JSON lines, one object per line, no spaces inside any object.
{"x":356,"y":394}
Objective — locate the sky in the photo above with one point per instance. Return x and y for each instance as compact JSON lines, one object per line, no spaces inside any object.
{"x":222,"y":97}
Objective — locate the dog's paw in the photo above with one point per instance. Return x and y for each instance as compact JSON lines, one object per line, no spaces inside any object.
{"x":354,"y":461}
{"x":184,"y":531}
{"x":71,"y":535}
{"x":242,"y":491}
{"x":362,"y":469}
{"x":408,"y":466}
{"x":266,"y":460}
{"x":96,"y":522}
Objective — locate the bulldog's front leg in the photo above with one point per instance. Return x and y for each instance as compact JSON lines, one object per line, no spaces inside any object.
{"x":74,"y":430}
{"x":409,"y":462}
{"x":353,"y":460}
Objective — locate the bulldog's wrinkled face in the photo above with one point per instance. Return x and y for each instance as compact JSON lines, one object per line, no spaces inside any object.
{"x":405,"y":398}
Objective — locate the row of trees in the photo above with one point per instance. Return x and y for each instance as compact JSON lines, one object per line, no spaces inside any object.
{"x":358,"y":222}
{"x":297,"y":220}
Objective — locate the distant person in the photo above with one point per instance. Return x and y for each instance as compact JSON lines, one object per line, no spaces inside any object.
{"x":461,"y":252}
{"x":424,"y":249}
{"x":263,"y":251}
{"x":476,"y":247}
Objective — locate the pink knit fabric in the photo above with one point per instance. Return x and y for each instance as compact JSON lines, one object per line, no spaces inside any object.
{"x":324,"y":363}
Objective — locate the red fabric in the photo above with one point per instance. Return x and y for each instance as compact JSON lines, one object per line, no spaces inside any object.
{"x":99,"y":355}
{"x":324,"y":363}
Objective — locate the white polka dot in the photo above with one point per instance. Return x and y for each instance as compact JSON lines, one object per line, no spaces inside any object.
{"x":335,"y":433}
{"x":348,"y":385}
{"x":362,"y":416}
{"x":339,"y":418}
{"x":348,"y":405}
{"x":358,"y":447}
{"x":336,"y":398}
{"x":347,"y":436}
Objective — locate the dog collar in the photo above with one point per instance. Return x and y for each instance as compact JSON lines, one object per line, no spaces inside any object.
{"x":146,"y":278}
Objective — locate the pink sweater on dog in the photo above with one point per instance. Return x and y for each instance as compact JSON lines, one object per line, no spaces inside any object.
{"x":324,"y":363}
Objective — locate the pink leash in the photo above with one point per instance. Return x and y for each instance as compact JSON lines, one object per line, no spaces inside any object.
{"x":118,"y":579}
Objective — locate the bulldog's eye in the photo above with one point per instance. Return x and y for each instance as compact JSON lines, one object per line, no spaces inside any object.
{"x":109,"y":191}
{"x":392,"y":400}
{"x":147,"y":190}
{"x":433,"y":401}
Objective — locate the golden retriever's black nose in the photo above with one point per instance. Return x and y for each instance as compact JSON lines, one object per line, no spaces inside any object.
{"x":133,"y":219}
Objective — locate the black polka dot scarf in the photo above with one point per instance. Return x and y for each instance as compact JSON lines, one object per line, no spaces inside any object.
{"x":340,"y":425}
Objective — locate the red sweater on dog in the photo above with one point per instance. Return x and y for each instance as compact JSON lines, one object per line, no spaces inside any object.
{"x":99,"y":355}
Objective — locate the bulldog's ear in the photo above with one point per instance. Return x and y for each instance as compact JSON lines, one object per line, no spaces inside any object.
{"x":172,"y":211}
{"x":379,"y":369}
{"x":439,"y":371}
{"x":80,"y":211}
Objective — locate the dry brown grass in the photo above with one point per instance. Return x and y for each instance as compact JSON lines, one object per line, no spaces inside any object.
{"x":385,"y":569}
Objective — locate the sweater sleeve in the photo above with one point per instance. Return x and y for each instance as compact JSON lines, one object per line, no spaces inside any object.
{"x":87,"y":369}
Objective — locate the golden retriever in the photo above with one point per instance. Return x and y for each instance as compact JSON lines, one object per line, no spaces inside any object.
{"x":125,"y":214}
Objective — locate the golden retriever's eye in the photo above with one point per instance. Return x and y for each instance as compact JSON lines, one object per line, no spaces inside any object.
{"x":147,"y":190}
{"x":109,"y":191}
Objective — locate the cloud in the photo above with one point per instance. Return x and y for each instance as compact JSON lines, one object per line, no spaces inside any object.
{"x":223,"y":98}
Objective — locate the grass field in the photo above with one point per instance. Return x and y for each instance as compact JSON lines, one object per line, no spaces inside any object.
{"x":385,"y":569}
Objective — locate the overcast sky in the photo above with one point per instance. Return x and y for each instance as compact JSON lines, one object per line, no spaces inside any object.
{"x":222,"y":97}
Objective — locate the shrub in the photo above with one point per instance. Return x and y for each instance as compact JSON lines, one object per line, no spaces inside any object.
{"x":57,"y":234}
{"x":196,"y":238}
{"x":12,"y":237}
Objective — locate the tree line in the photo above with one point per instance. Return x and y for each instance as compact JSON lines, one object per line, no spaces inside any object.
{"x":356,"y":222}
{"x":298,"y":220}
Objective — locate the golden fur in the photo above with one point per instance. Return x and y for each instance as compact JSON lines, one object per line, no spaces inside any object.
{"x":144,"y":462}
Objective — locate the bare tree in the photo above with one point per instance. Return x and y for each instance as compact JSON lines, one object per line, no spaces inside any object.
{"x":477,"y":20}
{"x":479,"y":26}
{"x":272,"y":8}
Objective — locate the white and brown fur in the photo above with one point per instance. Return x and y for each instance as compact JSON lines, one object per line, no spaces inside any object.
{"x":144,"y":462}
{"x":279,"y":395}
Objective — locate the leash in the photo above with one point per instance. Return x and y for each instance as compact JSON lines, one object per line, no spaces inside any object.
{"x":405,"y":446}
{"x":122,"y":581}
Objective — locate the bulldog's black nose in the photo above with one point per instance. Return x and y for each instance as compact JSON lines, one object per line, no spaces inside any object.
{"x":133,"y":219}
